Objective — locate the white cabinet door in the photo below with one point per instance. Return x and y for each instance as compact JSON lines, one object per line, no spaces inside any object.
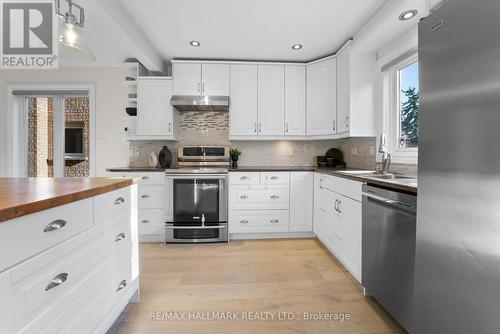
{"x":343,"y":97}
{"x":243,"y":100}
{"x":319,"y":208}
{"x":154,"y":112}
{"x":332,"y":237}
{"x":215,"y":79}
{"x":187,"y":79}
{"x":350,"y":214}
{"x":301,"y":201}
{"x":295,"y":100}
{"x":321,"y":98}
{"x":271,"y":100}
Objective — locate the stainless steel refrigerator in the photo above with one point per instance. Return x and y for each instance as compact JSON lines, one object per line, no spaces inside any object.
{"x":457,"y":270}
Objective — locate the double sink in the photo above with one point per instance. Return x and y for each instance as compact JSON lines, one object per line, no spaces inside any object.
{"x":389,"y":177}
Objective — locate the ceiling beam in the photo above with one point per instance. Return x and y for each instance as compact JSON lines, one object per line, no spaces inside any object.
{"x":123,"y":27}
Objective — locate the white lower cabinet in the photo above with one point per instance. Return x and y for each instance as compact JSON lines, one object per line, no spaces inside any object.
{"x":301,"y":201}
{"x":266,"y":203}
{"x":153,"y":204}
{"x":337,"y":219}
{"x":73,"y":286}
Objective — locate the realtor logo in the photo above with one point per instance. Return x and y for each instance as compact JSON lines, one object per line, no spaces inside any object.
{"x":29,"y":34}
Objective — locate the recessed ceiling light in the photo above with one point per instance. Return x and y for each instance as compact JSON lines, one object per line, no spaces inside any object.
{"x":194,"y":43}
{"x":297,"y":46}
{"x":408,"y":15}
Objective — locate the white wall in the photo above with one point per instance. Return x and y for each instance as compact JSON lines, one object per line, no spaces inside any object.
{"x":111,"y":148}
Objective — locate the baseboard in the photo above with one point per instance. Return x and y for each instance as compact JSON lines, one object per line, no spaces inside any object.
{"x":275,"y":235}
{"x":152,"y":238}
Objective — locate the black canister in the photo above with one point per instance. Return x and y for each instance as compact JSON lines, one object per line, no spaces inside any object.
{"x":165,"y":157}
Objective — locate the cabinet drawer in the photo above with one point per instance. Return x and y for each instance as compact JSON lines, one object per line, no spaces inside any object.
{"x":28,"y":235}
{"x":259,"y":197}
{"x":35,"y":287}
{"x":259,"y":221}
{"x":151,"y":197}
{"x":111,"y":204}
{"x":144,"y":178}
{"x":274,"y":178}
{"x":244,"y":178}
{"x":346,"y":187}
{"x":151,"y":221}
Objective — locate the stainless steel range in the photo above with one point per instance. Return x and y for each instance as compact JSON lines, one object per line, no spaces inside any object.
{"x":198,"y":188}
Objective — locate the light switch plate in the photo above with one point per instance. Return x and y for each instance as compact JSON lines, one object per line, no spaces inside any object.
{"x":354,"y":151}
{"x":372,"y":151}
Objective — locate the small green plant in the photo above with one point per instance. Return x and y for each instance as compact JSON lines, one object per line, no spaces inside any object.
{"x":234,"y":152}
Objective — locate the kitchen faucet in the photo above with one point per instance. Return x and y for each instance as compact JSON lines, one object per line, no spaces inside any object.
{"x":386,"y":157}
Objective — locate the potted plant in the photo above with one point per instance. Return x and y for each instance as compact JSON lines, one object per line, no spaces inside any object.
{"x":235,"y":154}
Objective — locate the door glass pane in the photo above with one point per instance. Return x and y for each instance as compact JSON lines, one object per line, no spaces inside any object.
{"x":408,"y":107}
{"x":76,"y":137}
{"x":194,"y":198}
{"x":40,"y":137}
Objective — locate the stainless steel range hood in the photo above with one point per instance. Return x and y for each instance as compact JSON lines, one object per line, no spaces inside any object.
{"x":200,"y":103}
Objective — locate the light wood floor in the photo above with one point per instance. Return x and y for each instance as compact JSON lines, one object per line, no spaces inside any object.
{"x":249,"y":276}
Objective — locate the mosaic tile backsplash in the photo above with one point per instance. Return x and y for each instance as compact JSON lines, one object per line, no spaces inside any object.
{"x":212,"y":128}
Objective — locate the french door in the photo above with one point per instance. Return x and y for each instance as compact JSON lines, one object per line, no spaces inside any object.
{"x":56,"y":136}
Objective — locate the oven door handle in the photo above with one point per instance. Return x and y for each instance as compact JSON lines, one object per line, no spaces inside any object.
{"x":204,"y":227}
{"x":196,"y":176}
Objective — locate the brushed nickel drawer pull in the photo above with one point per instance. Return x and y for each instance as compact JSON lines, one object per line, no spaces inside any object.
{"x":274,"y":221}
{"x":145,"y":178}
{"x":244,"y":178}
{"x":244,"y":221}
{"x":275,"y":197}
{"x":56,"y":281}
{"x":145,"y":196}
{"x":120,"y":237}
{"x":274,"y":178}
{"x":121,"y":285}
{"x":145,"y":221}
{"x":55,"y":225}
{"x":119,"y":200}
{"x":244,"y":197}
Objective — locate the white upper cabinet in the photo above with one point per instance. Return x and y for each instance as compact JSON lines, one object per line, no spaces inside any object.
{"x":321,"y":98}
{"x":243,"y":100}
{"x":215,"y":79}
{"x":186,"y":78}
{"x":271,"y":100}
{"x":154,"y":112}
{"x":201,"y":79}
{"x":343,"y":91}
{"x":295,"y":100}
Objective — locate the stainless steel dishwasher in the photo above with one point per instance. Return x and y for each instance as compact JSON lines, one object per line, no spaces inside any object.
{"x":388,"y":262}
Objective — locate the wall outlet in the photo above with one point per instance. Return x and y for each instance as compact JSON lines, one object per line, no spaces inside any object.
{"x":136,"y":152}
{"x":354,"y":151}
{"x":372,"y":151}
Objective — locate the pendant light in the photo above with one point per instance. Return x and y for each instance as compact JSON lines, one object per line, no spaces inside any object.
{"x":72,"y":45}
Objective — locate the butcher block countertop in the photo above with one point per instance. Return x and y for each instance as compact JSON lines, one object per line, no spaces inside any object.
{"x":22,"y":196}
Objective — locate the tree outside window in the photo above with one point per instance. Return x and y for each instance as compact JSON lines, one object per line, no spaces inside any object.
{"x":408,"y":106}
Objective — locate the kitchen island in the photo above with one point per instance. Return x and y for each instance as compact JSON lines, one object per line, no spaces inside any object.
{"x":68,"y":253}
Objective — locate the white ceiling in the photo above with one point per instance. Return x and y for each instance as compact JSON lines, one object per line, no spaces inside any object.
{"x":248,"y":29}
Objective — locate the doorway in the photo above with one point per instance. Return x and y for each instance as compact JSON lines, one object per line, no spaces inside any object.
{"x":52,"y":133}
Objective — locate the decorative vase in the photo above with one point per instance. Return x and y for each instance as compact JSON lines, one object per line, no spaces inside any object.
{"x":153,"y":160}
{"x":165,"y":157}
{"x":234,"y":159}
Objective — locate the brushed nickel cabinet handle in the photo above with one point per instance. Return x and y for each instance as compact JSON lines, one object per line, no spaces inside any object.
{"x":286,"y":128}
{"x":336,"y":206}
{"x":255,"y":127}
{"x":260,"y":127}
{"x":274,"y":178}
{"x":145,"y":178}
{"x":198,"y":87}
{"x":275,"y":197}
{"x":120,"y":237}
{"x":119,"y":200}
{"x":169,"y":127}
{"x":55,"y":225}
{"x":145,"y":196}
{"x":244,"y":178}
{"x":244,"y":197}
{"x":334,"y":125}
{"x":145,"y":221}
{"x":340,"y":206}
{"x":347,"y":121}
{"x":274,"y":221}
{"x":121,"y":285}
{"x":203,"y":88}
{"x":244,"y":221}
{"x":56,"y":281}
